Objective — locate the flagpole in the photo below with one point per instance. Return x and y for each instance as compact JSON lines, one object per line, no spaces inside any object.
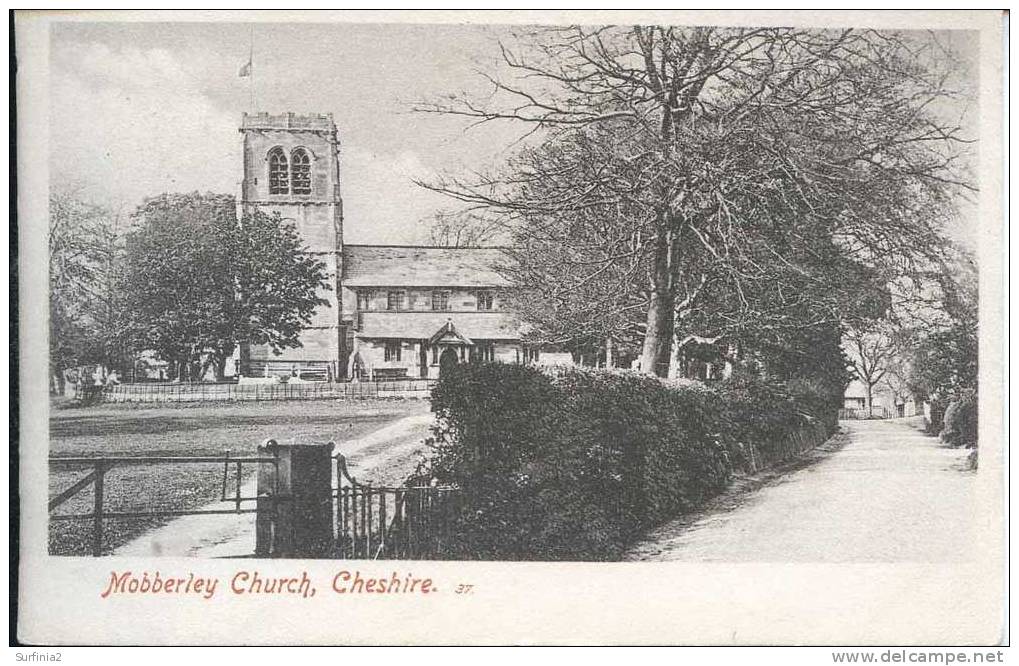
{"x":251,"y":62}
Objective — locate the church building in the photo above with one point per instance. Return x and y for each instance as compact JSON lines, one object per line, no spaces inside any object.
{"x":393,"y":311}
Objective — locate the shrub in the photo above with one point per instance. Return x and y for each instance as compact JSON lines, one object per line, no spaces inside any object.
{"x":572,"y":463}
{"x":961,"y":421}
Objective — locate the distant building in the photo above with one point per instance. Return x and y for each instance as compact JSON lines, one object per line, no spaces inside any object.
{"x":887,"y":403}
{"x":393,"y":311}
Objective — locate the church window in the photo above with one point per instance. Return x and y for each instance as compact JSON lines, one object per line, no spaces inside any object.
{"x":440,"y":300}
{"x":394,"y":300}
{"x":485,"y":300}
{"x":278,"y":177}
{"x":485,"y":351}
{"x":300,"y":171}
{"x":393,"y":349}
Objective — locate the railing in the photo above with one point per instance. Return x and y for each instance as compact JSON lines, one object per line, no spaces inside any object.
{"x":101,"y":465}
{"x":406,"y":522}
{"x":877,"y":412}
{"x":210,"y":392}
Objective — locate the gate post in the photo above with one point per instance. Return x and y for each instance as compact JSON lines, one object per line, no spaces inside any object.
{"x":295,"y":501}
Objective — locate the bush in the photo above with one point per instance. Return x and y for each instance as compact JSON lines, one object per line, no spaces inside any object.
{"x":961,"y":421}
{"x":573,"y":463}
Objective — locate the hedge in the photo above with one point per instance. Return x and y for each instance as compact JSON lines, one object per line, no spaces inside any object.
{"x":573,"y":464}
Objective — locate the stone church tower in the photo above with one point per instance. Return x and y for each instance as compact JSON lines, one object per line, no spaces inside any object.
{"x":291,"y":166}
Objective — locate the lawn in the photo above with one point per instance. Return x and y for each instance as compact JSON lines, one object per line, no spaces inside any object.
{"x":186,"y":431}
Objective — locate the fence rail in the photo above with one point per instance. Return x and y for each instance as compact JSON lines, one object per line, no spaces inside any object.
{"x":101,"y":465}
{"x":215,"y":392}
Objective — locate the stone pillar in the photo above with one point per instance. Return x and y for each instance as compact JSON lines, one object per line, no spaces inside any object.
{"x":295,"y":505}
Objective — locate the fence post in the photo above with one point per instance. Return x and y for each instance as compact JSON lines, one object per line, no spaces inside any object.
{"x":97,"y":511}
{"x":295,"y":503}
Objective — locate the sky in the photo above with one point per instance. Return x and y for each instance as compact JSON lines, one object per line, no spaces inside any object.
{"x":138,"y":109}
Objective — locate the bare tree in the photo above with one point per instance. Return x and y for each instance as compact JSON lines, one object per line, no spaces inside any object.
{"x":462,"y":229}
{"x":871,"y":354}
{"x":690,"y":141}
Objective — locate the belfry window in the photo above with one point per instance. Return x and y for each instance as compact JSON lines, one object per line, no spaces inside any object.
{"x":279,"y":182}
{"x":300,"y":171}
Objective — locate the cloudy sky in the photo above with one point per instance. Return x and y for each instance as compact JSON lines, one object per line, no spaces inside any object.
{"x":138,"y":109}
{"x":141,"y":108}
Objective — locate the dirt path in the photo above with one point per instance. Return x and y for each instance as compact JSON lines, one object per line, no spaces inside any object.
{"x":384,"y":456}
{"x":891,"y":494}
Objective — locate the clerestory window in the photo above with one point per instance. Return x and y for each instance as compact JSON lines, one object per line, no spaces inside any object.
{"x":440,"y":300}
{"x":395,"y":300}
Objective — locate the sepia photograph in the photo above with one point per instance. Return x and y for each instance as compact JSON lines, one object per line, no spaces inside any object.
{"x":393,"y":295}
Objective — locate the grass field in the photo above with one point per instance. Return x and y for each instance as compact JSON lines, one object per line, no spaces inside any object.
{"x":186,"y":431}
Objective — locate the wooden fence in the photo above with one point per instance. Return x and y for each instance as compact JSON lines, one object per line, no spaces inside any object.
{"x":752,"y":458}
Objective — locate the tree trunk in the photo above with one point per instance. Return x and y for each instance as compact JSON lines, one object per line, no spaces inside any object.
{"x":655,"y":355}
{"x":870,"y":401}
{"x":203,"y":367}
{"x":220,"y":358}
{"x":676,"y":359}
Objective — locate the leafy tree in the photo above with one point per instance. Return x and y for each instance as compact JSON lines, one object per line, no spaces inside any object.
{"x":82,"y":246}
{"x":717,"y":181}
{"x":945,"y":360}
{"x":197,"y":281}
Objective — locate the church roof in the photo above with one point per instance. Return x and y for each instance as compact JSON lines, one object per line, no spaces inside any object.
{"x":418,"y":266}
{"x":423,"y":325}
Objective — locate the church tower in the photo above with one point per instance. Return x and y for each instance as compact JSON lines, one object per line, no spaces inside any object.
{"x":291,"y":166}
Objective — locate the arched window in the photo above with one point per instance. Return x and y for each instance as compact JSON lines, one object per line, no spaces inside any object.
{"x":300,"y":171}
{"x":278,"y":176}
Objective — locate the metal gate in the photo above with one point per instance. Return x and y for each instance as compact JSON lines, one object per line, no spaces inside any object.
{"x":100,"y":466}
{"x":414,"y":521}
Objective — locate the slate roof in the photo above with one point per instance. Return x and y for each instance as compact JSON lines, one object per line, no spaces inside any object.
{"x":418,"y":266}
{"x":423,"y":325}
